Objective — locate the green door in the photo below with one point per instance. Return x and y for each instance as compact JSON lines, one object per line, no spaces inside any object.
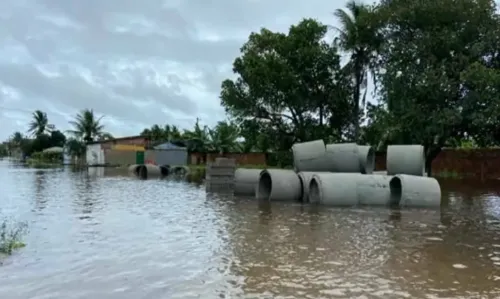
{"x":139,"y":157}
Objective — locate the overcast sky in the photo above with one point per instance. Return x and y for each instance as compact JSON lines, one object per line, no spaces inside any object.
{"x":136,"y":62}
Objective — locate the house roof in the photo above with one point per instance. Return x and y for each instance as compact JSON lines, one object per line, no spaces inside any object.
{"x":54,"y":149}
{"x":118,"y":139}
{"x":167,"y":146}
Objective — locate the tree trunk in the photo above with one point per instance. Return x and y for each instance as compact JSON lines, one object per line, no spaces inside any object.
{"x":357,"y":92}
{"x":431,"y":154}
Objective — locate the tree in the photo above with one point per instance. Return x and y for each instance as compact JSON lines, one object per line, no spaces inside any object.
{"x":57,"y":138}
{"x":290,"y":83}
{"x":438,"y":71}
{"x":40,"y":124}
{"x":87,"y":126}
{"x":197,"y":139}
{"x":223,"y":137}
{"x":76,"y":148}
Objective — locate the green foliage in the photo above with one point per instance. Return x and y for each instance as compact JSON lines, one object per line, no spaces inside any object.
{"x":49,"y":157}
{"x":11,"y":237}
{"x":290,"y":84}
{"x":87,"y":126}
{"x":76,"y":148}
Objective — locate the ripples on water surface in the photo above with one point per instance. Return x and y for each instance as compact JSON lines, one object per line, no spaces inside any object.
{"x":101,"y":235}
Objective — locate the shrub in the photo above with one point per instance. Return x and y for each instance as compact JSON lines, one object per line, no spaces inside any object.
{"x":10,"y":238}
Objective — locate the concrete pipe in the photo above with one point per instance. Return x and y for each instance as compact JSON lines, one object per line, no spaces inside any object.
{"x":343,"y":157}
{"x":309,"y":156}
{"x":149,"y":171}
{"x":366,"y":156}
{"x":305,"y":178}
{"x":279,"y":185}
{"x":415,"y":191}
{"x":246,"y":180}
{"x":165,"y":170}
{"x":405,"y":159}
{"x":334,"y":189}
{"x":180,"y":170}
{"x":374,"y":190}
{"x":134,"y":169}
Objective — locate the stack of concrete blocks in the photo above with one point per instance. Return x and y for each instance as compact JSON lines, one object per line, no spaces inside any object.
{"x":220,"y":175}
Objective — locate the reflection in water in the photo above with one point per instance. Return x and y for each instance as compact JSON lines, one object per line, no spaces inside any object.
{"x":40,"y":197}
{"x":105,"y":235}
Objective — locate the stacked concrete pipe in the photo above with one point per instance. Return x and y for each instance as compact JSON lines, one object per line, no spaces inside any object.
{"x":279,"y":185}
{"x":405,"y":159}
{"x":310,"y":156}
{"x":246,"y":180}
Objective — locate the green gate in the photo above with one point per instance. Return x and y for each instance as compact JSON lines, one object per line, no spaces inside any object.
{"x":139,"y":157}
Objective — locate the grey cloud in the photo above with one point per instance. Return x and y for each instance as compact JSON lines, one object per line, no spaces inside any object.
{"x":99,"y":35}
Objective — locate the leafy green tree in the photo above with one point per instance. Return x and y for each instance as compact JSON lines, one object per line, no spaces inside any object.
{"x":87,"y":126}
{"x":57,"y":138}
{"x":358,"y":35}
{"x":76,"y":148}
{"x":40,"y":124}
{"x":291,"y":83}
{"x":438,"y":71}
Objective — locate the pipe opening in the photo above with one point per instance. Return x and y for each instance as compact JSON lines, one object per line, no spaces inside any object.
{"x":142,"y":172}
{"x":265,"y":186}
{"x":370,"y":161}
{"x":165,"y":170}
{"x":314,"y":192}
{"x":302,"y":195}
{"x":396,"y":188}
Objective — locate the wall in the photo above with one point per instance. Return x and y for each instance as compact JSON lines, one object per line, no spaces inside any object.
{"x":119,"y":158}
{"x":168,"y":157}
{"x":478,"y":163}
{"x":140,"y":141}
{"x":95,"y":155}
{"x":241,"y":158}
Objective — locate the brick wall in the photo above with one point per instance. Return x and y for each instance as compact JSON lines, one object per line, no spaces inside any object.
{"x":241,"y":158}
{"x":140,"y":141}
{"x":479,"y":163}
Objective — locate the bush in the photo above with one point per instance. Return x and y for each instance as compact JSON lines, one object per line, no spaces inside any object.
{"x":10,"y":238}
{"x":49,"y":157}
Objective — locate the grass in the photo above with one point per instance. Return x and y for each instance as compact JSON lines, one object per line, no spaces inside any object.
{"x":11,"y":237}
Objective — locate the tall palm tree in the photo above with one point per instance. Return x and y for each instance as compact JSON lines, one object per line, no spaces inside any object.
{"x":87,"y":126}
{"x":40,"y":124}
{"x":357,"y":36}
{"x":197,"y":139}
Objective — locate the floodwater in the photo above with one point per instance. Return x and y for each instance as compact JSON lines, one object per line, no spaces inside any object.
{"x":102,"y":235}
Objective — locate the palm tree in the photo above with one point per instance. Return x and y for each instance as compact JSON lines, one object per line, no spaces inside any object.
{"x":357,"y":36}
{"x":87,"y":126}
{"x":40,"y":124}
{"x":223,"y":138}
{"x":197,"y":139}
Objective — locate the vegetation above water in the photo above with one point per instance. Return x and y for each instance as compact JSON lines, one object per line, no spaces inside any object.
{"x":434,"y":67}
{"x":11,"y":237}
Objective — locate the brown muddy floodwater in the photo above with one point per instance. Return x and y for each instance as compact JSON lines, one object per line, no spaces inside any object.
{"x":106,"y":236}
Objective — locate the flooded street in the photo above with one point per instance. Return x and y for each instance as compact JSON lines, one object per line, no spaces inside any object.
{"x":102,"y":235}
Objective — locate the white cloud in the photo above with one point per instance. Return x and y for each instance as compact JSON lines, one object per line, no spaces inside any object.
{"x":136,"y":62}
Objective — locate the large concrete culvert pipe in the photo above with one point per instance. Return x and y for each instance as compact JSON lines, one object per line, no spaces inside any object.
{"x":279,"y":185}
{"x":134,"y":169}
{"x":309,"y":156}
{"x":374,"y":190}
{"x":405,"y":159}
{"x":415,"y":191}
{"x":246,"y":180}
{"x":366,"y":156}
{"x":149,"y":171}
{"x":343,"y":157}
{"x":305,"y":178}
{"x":334,"y":189}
